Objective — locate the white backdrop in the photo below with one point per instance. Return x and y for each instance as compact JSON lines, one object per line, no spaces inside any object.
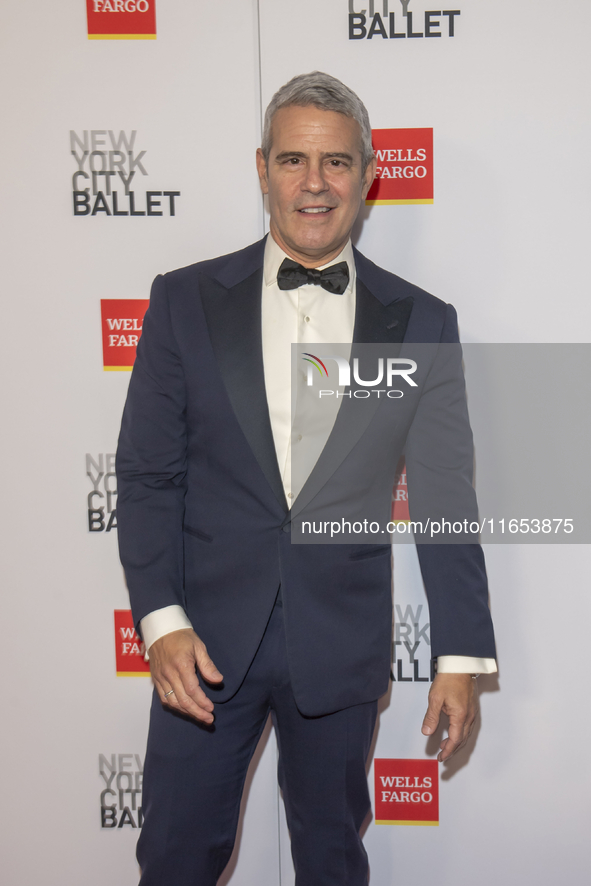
{"x":505,"y":241}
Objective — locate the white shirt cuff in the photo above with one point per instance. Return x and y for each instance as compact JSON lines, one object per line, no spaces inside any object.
{"x":464,"y":664}
{"x":163,"y":621}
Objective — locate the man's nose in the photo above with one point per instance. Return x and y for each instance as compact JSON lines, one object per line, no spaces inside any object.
{"x":314,"y":180}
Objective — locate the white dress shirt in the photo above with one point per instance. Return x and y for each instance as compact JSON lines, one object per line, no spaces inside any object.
{"x":311,"y":315}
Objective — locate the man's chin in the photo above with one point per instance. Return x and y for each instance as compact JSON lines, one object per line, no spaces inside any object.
{"x":315,"y":247}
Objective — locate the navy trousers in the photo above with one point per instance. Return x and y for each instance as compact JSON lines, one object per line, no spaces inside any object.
{"x":194,"y":776}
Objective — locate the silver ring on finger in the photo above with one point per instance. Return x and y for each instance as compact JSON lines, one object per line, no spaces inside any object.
{"x":170,"y":692}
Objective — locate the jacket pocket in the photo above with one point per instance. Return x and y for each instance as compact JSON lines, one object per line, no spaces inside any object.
{"x":202,"y":536}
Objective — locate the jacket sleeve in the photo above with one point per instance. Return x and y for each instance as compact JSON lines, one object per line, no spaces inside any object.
{"x":439,"y":464}
{"x":151,"y":466}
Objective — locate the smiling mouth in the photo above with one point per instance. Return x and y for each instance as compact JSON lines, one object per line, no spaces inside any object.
{"x":316,"y":210}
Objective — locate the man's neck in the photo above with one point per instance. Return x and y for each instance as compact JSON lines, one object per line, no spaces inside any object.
{"x":308,"y":260}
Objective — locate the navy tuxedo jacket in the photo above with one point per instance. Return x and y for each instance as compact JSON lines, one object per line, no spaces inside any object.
{"x":202,"y":517}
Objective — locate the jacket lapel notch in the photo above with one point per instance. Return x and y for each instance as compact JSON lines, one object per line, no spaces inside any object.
{"x":379,"y":323}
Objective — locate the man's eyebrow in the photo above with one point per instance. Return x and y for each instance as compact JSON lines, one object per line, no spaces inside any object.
{"x":331,"y":155}
{"x":285,"y":154}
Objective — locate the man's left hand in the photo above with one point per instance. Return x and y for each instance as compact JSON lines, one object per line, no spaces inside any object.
{"x":454,"y":695}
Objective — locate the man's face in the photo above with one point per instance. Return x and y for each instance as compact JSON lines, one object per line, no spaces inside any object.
{"x":314,"y":181}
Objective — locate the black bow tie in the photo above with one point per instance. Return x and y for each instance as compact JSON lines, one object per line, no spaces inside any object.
{"x":334,"y":279}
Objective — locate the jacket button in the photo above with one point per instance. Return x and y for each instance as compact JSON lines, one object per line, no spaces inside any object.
{"x":287,"y":527}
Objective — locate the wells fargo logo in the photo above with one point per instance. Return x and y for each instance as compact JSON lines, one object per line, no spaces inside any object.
{"x":406,"y":792}
{"x":129,"y":648}
{"x":400,"y":512}
{"x":121,"y":19}
{"x":122,"y":321}
{"x":404,"y":172}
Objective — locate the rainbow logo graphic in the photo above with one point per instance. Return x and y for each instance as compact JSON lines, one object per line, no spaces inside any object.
{"x":315,"y":361}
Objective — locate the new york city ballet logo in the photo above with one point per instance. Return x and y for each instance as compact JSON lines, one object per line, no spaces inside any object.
{"x":406,"y":792}
{"x":122,"y":321}
{"x":388,"y":371}
{"x":404,"y":172}
{"x":411,"y":647}
{"x":389,"y":21}
{"x":108,"y":170}
{"x":101,"y":501}
{"x":121,"y":19}
{"x":122,"y":777}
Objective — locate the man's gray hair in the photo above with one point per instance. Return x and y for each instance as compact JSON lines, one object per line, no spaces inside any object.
{"x":328,"y":94}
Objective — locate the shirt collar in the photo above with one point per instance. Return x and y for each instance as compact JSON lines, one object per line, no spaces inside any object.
{"x":274,"y":256}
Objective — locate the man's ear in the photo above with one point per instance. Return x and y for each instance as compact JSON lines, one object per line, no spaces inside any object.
{"x":262,"y":171}
{"x":368,"y":176}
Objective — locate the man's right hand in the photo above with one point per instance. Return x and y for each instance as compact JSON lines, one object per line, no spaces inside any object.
{"x":173,"y":658}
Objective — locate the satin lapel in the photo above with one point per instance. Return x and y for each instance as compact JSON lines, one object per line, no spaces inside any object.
{"x":234,"y":322}
{"x":375,"y":323}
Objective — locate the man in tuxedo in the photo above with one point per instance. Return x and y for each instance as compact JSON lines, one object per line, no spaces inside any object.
{"x":300,"y":631}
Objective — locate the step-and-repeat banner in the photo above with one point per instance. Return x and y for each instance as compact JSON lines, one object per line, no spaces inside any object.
{"x":130,"y":133}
